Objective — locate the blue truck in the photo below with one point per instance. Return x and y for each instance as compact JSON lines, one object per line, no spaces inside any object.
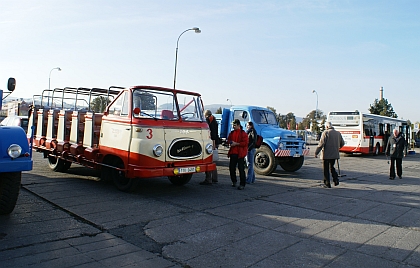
{"x":280,"y":146}
{"x":15,"y":157}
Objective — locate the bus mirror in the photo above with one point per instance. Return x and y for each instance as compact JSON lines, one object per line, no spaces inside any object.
{"x":11,"y":84}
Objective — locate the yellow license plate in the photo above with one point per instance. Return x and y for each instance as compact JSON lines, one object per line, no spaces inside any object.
{"x":186,"y":170}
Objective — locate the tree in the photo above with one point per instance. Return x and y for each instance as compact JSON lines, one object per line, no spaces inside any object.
{"x":99,"y":104}
{"x":382,"y":107}
{"x":219,"y":111}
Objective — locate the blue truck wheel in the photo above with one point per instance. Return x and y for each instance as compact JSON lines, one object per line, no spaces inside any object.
{"x":9,"y":191}
{"x":292,"y":164}
{"x":265,"y":162}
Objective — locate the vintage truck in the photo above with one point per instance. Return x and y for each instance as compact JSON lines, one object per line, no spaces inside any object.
{"x":144,"y":132}
{"x":280,"y":147}
{"x":15,"y":157}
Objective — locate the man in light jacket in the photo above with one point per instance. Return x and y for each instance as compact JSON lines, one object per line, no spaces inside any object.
{"x":330,"y":143}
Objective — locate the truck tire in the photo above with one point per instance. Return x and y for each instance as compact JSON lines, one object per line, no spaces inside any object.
{"x":293,"y":164}
{"x":180,"y":180}
{"x":57,"y":164}
{"x":119,"y":179}
{"x":9,"y":191}
{"x":265,"y":162}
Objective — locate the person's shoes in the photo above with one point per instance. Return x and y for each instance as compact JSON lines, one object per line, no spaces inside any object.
{"x":240,"y":187}
{"x":399,"y":177}
{"x":391,"y":178}
{"x":327,"y":185}
{"x":233,"y":184}
{"x":205,"y":183}
{"x":336,"y":182}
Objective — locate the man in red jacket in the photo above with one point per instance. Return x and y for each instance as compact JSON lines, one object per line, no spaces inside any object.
{"x":238,"y":141}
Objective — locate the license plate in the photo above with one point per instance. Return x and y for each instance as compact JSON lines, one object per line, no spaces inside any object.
{"x":186,"y":170}
{"x":296,"y":155}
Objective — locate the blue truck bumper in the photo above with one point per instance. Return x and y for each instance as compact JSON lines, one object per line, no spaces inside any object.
{"x":16,"y":165}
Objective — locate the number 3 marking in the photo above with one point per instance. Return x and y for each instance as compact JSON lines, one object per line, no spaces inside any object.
{"x":150,"y":133}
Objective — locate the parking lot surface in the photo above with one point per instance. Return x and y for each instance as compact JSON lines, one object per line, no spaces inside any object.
{"x":284,"y":220}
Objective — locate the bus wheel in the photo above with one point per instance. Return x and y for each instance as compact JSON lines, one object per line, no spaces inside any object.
{"x":293,"y":164}
{"x":119,"y":179}
{"x":57,"y":164}
{"x":377,"y":149}
{"x":264,"y":162}
{"x":180,"y":180}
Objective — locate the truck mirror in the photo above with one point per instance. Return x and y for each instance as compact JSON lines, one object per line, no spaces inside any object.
{"x":244,"y":114}
{"x":11,"y":84}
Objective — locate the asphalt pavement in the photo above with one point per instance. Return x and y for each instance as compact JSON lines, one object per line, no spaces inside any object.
{"x":284,"y":220}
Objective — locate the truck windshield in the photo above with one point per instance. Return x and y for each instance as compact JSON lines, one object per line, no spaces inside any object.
{"x":264,"y":117}
{"x":163,"y":105}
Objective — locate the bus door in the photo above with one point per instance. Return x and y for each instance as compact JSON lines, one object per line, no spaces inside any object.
{"x":387,"y":135}
{"x":369,"y":134}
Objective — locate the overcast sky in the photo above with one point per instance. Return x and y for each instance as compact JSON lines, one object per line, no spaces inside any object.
{"x":264,"y":53}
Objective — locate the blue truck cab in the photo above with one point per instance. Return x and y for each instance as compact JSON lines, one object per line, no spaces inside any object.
{"x":15,"y":157}
{"x":280,"y":146}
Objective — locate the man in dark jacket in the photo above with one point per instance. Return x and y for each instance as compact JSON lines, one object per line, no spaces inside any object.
{"x":330,"y":143}
{"x":211,"y":176}
{"x":397,"y":149}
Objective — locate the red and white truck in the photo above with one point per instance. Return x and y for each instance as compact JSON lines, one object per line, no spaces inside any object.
{"x":127,"y":133}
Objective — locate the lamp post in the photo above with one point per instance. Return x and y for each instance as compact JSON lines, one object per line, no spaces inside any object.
{"x":196,"y":30}
{"x":49,"y":82}
{"x":316,"y":111}
{"x":230,"y":102}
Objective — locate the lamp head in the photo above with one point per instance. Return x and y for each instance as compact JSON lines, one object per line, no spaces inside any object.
{"x":313,"y":91}
{"x":196,"y":30}
{"x":58,"y":68}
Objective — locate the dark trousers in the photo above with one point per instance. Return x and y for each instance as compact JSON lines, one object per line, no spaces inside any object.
{"x":392,"y":168}
{"x":329,"y":166}
{"x":234,"y":162}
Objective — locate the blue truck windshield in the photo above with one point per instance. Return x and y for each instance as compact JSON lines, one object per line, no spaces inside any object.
{"x":264,"y":117}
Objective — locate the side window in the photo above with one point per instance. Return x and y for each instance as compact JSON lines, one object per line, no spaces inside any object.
{"x":120,"y":106}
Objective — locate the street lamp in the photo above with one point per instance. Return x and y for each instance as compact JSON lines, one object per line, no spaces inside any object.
{"x":49,"y":82}
{"x":230,"y":102}
{"x":196,"y":30}
{"x":316,"y":111}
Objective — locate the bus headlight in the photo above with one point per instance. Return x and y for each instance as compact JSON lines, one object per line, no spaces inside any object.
{"x":158,"y":150}
{"x":14,"y":151}
{"x":209,"y":148}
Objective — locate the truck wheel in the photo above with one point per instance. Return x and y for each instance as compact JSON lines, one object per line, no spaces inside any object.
{"x":180,"y":180}
{"x":9,"y":191}
{"x":293,"y":164}
{"x":265,"y":162}
{"x":57,"y":164}
{"x":119,"y":179}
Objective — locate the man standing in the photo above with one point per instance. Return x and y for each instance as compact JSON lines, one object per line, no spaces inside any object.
{"x":238,"y":141}
{"x":211,"y":176}
{"x":397,"y":149}
{"x":252,"y":139}
{"x":330,"y":143}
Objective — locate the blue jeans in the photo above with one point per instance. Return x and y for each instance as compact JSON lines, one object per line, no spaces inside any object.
{"x":251,"y":174}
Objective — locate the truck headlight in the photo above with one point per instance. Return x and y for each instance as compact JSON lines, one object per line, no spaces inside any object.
{"x":281,"y":145}
{"x":14,"y":151}
{"x":158,"y":150}
{"x":209,"y":148}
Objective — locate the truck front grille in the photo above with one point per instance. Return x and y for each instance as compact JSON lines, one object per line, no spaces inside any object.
{"x":185,"y":149}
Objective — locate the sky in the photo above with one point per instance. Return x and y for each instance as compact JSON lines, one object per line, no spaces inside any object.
{"x":262,"y":53}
